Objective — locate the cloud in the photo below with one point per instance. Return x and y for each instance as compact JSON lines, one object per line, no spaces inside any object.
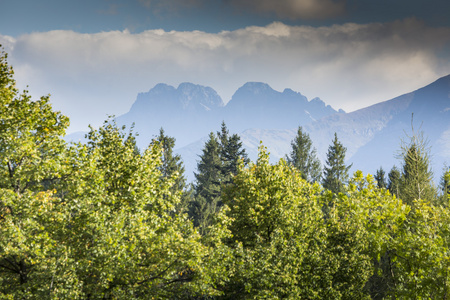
{"x":349,"y":66}
{"x":293,"y":9}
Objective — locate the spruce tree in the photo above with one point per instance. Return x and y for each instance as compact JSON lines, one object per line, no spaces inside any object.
{"x":394,"y":181}
{"x":231,"y":153}
{"x":416,"y":181}
{"x":303,"y":157}
{"x":335,"y":171}
{"x":170,"y":165}
{"x":207,"y":185}
{"x":380,"y":178}
{"x":445,"y":187}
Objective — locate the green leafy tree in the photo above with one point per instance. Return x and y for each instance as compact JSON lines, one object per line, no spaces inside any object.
{"x":380,"y":178}
{"x":360,"y":225}
{"x":87,"y":221}
{"x":336,"y":171}
{"x":284,"y":244}
{"x":274,"y":216}
{"x":421,"y":254}
{"x":32,"y":162}
{"x":304,"y":157}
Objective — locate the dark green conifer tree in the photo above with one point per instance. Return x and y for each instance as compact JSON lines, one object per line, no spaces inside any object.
{"x":207,"y":185}
{"x":381,"y":179}
{"x":303,"y":157}
{"x":231,"y":153}
{"x":172,"y":164}
{"x":335,"y":173}
{"x":394,"y":181}
{"x":445,"y":187}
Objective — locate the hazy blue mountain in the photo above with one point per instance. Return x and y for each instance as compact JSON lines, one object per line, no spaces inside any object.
{"x":257,"y":105}
{"x":191,"y":111}
{"x":187,"y":113}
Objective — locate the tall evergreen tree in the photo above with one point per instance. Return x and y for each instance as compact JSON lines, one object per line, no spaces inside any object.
{"x":304,"y":157}
{"x":417,"y":178}
{"x":445,"y":187}
{"x":394,"y":181}
{"x":231,"y":153}
{"x":207,"y":186}
{"x":335,"y":171}
{"x":380,"y":178}
{"x":172,"y":164}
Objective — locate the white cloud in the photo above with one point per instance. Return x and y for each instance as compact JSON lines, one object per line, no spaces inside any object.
{"x":349,"y":66}
{"x":293,"y":9}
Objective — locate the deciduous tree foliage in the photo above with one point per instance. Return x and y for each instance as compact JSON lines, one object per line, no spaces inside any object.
{"x":286,"y":245}
{"x":87,"y":221}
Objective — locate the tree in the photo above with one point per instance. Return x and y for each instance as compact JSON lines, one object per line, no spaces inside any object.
{"x":445,"y":187}
{"x":394,"y":181}
{"x":381,"y":180}
{"x":172,"y":167}
{"x":231,"y":153}
{"x":207,"y":186}
{"x":32,"y":163}
{"x":417,"y":178}
{"x":286,"y":246}
{"x":273,"y":216}
{"x":89,"y":221}
{"x":335,"y":171}
{"x":304,"y":157}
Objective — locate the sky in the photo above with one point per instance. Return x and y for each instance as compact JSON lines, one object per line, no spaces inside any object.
{"x":95,"y":56}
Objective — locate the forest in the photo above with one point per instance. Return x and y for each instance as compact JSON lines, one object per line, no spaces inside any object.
{"x":106,"y":220}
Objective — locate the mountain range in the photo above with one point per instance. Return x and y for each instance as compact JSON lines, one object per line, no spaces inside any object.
{"x":257,"y":112}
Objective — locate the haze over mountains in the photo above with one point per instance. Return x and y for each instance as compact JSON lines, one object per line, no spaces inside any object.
{"x":190,"y":111}
{"x":258,"y":113}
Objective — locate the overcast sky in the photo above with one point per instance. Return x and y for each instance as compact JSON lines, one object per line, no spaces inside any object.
{"x":95,"y":56}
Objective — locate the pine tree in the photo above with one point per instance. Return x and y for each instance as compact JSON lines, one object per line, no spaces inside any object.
{"x":394,"y":181}
{"x":172,"y":164}
{"x":304,"y":157}
{"x":380,"y":178}
{"x":416,"y":180}
{"x":445,"y":187}
{"x":231,"y":153}
{"x":207,"y":186}
{"x":336,"y":171}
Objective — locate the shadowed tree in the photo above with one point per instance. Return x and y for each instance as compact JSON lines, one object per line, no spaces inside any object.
{"x":394,"y":181}
{"x":380,"y":178}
